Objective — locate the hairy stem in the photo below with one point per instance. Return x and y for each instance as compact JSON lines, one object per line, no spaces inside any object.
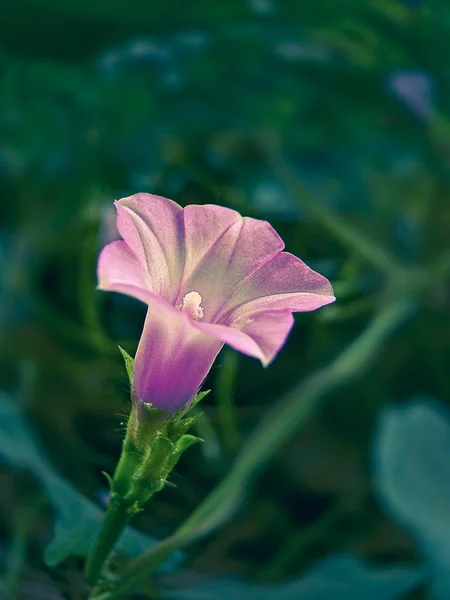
{"x":116,"y":518}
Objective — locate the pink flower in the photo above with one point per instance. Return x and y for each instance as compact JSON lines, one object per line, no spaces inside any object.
{"x":209,"y":277}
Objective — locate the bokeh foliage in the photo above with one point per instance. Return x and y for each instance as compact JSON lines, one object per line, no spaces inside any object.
{"x":330,"y":120}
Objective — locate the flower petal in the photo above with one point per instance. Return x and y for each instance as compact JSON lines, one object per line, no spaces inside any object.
{"x":261,"y":336}
{"x":204,"y":226}
{"x":172,"y":359}
{"x":283,"y":283}
{"x":119,"y":270}
{"x":222,"y":249}
{"x":152,"y":227}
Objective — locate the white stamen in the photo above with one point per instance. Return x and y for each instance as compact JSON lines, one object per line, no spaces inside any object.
{"x":191,"y":303}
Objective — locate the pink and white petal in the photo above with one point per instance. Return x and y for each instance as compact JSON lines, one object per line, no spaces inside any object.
{"x":283,"y":283}
{"x":261,"y":336}
{"x":270,"y":332}
{"x":293,"y":302}
{"x":243,"y":246}
{"x":153,"y":228}
{"x":203,"y":226}
{"x":233,"y":337}
{"x":119,"y":270}
{"x":172,"y":360}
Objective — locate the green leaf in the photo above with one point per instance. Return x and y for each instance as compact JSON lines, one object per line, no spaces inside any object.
{"x":340,"y":577}
{"x":129,"y":364}
{"x":412,"y":477}
{"x":77,"y":520}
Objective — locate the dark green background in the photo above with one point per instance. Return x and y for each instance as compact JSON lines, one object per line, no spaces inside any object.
{"x":322,"y":117}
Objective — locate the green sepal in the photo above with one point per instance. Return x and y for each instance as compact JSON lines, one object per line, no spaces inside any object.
{"x":185,"y":442}
{"x":109,"y":479}
{"x":146,"y":424}
{"x":179,"y":424}
{"x":176,"y":429}
{"x":179,"y":415}
{"x":152,"y":473}
{"x":198,"y":397}
{"x":153,"y":445}
{"x":156,"y":462}
{"x":129,"y":365}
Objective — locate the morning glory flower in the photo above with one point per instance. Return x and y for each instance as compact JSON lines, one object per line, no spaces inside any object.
{"x":209,"y":277}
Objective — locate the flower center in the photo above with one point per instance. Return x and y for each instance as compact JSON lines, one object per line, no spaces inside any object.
{"x":191,"y":304}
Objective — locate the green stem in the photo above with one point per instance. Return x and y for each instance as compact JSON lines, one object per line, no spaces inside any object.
{"x":140,"y":472}
{"x":116,"y":518}
{"x":225,"y":406}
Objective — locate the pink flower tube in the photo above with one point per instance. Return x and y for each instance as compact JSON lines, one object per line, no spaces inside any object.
{"x":210,"y":277}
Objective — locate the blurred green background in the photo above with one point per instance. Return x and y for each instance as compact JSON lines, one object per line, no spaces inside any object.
{"x":330,"y":119}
